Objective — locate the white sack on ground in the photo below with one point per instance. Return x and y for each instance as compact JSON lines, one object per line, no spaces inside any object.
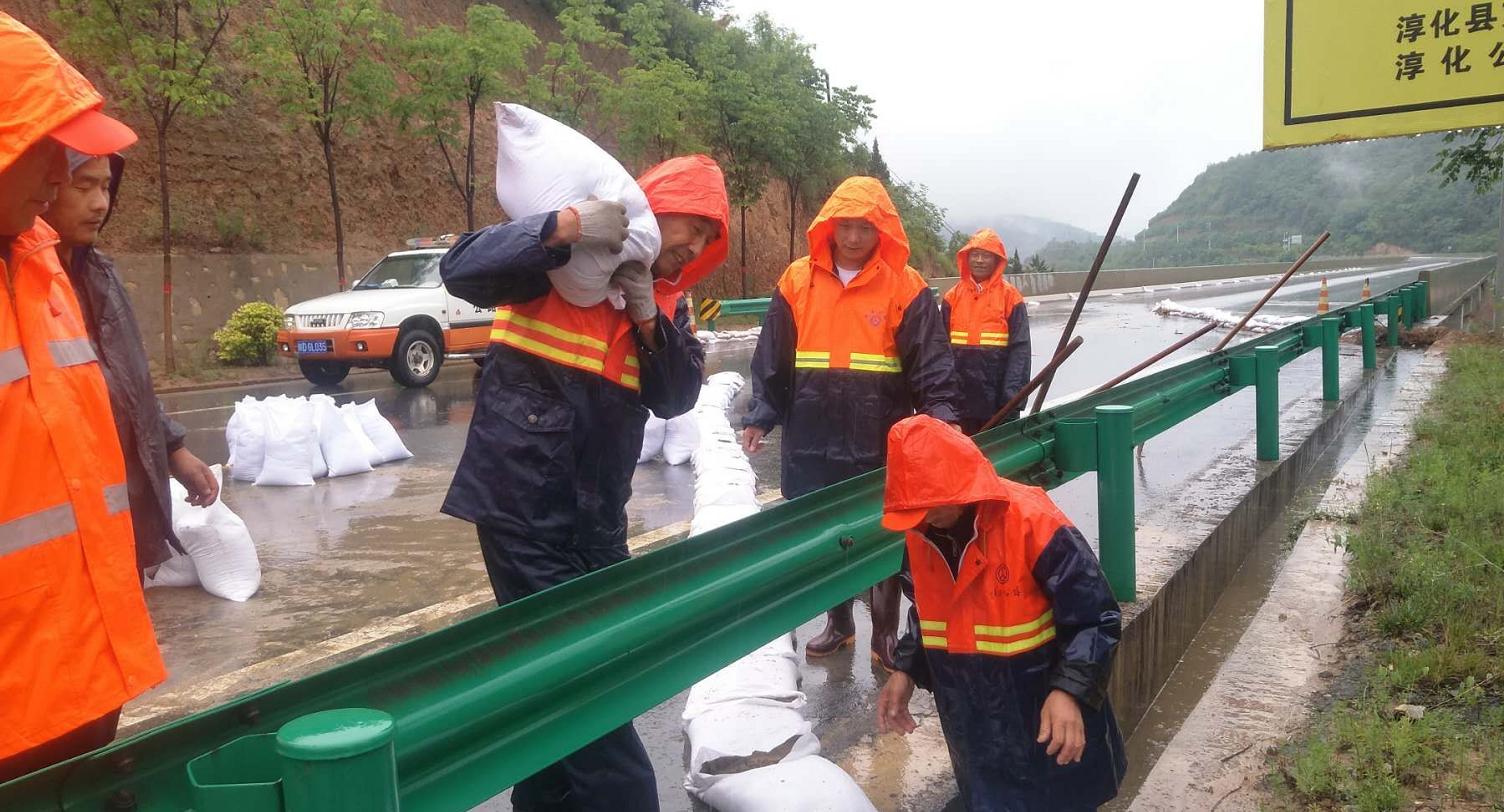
{"x":289,"y":435}
{"x":383,"y":435}
{"x":680,"y":438}
{"x":175,"y":571}
{"x":542,"y":166}
{"x":767,"y":676}
{"x":652,"y":438}
{"x":810,"y":784}
{"x":738,"y":737}
{"x":223,"y":553}
{"x":1260,"y":323}
{"x":346,"y":449}
{"x":245,"y":434}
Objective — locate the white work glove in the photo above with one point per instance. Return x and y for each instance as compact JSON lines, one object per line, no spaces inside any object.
{"x":603,"y":224}
{"x":636,"y":283}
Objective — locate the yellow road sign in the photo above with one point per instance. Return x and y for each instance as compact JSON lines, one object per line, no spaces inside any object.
{"x":709,"y":309}
{"x":1341,"y":70}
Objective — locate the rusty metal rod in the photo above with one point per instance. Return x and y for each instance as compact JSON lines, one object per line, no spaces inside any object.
{"x":1091,"y":279}
{"x":1156,"y":358}
{"x":1023,"y":394}
{"x":1325,"y":235}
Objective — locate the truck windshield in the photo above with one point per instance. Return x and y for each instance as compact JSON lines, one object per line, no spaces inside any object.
{"x":413,"y":271}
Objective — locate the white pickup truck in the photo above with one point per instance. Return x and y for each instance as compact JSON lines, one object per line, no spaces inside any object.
{"x":398,"y":316}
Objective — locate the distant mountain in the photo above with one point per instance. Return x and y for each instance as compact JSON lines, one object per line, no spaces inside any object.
{"x":1024,"y":235}
{"x":1251,"y":207}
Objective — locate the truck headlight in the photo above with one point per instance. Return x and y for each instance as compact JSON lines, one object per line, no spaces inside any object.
{"x":289,"y":322}
{"x":361,"y":321}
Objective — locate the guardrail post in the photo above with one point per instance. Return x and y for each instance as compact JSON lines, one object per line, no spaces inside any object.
{"x":1330,"y":388}
{"x":1392,"y":313}
{"x":1266,"y":400}
{"x":337,"y":760}
{"x":1365,"y":321}
{"x":1423,"y":299}
{"x":1115,"y":511}
{"x":1407,"y":305}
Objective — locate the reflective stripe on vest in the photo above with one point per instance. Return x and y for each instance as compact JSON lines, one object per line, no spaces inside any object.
{"x":930,"y":640}
{"x":13,"y":366}
{"x":1036,"y":633}
{"x":856,"y":361}
{"x":964,"y":338}
{"x":70,"y":352}
{"x":556,"y":344}
{"x":54,"y":522}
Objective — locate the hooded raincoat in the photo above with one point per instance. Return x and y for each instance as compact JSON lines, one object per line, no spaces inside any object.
{"x":75,"y":637}
{"x":147,"y":434}
{"x":988,"y":324}
{"x":1006,"y":609}
{"x":837,"y":365}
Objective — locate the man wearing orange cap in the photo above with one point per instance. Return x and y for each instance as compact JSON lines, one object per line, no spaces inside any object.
{"x":76,"y":640}
{"x":559,"y":413}
{"x":852,"y":343}
{"x":988,"y":324}
{"x":1013,"y":628}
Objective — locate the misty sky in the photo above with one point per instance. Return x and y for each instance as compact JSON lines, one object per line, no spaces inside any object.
{"x":1044,"y":107}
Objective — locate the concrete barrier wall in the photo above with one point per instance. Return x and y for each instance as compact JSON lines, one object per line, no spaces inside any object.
{"x":1045,"y":284}
{"x":1448,"y":285}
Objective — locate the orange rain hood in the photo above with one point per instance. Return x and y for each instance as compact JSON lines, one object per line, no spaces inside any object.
{"x":984,"y":240}
{"x":691,"y":184}
{"x":931,"y":464}
{"x":42,"y":90}
{"x":859,"y":198}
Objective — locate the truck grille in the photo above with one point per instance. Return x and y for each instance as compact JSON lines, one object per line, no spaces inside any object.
{"x":321,"y":321}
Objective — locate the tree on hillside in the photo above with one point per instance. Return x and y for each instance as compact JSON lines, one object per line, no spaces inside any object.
{"x":924,"y":222}
{"x":1479,"y":158}
{"x":956,"y":242}
{"x":322,"y":61}
{"x":1015,"y":264}
{"x":165,"y":57}
{"x":661,"y":100}
{"x":876,"y":166}
{"x":569,"y":86}
{"x":452,"y":72}
{"x":1036,"y":265}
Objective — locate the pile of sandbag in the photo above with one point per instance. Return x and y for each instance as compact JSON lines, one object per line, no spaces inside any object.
{"x":672,"y":440}
{"x":283,"y":440}
{"x":543,"y":166}
{"x":218,"y":551}
{"x":750,"y":749}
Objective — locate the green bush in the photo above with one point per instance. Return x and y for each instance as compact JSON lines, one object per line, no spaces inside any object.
{"x":250,"y":336}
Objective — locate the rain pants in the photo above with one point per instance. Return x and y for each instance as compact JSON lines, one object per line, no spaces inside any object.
{"x":1006,"y":610}
{"x":989,"y":332}
{"x":559,"y":413}
{"x":837,"y":365}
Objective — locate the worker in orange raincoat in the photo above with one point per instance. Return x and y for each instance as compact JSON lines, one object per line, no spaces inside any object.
{"x":988,"y":324}
{"x":75,"y":639}
{"x":1013,"y":628}
{"x":852,"y":343}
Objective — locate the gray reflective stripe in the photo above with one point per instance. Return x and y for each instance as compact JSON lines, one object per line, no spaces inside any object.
{"x":116,"y":498}
{"x":44,"y":525}
{"x":13,"y":365}
{"x":69,"y":352}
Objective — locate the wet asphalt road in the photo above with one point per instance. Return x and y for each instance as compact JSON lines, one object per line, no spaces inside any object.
{"x":351,"y":552}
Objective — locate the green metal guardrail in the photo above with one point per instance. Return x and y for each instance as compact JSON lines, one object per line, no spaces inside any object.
{"x":746,"y":307}
{"x":490,"y":700}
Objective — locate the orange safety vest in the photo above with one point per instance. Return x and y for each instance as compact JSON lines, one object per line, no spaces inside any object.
{"x":596,"y":339}
{"x":75,"y":637}
{"x":995,"y":606}
{"x":979,"y":313}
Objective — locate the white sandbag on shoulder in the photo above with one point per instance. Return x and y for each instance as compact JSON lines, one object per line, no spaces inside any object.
{"x":542,"y":166}
{"x":344,"y":445}
{"x":739,"y":737}
{"x":810,"y":784}
{"x":714,"y":516}
{"x":223,"y":553}
{"x":245,"y":434}
{"x":379,"y":431}
{"x":767,"y":676}
{"x":652,"y":438}
{"x":680,"y":439}
{"x":175,"y":571}
{"x":289,"y":437}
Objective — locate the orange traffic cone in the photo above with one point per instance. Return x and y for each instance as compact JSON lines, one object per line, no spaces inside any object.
{"x":1367,"y":292}
{"x":1322,"y":302}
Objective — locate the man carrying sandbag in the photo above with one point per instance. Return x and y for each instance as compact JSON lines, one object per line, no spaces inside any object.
{"x":852,"y":344}
{"x":547,"y":468}
{"x":76,"y":642}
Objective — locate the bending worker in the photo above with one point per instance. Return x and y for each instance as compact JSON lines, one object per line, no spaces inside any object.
{"x":852,"y":344}
{"x":559,"y":413}
{"x":1013,"y":628}
{"x":77,"y":642}
{"x":989,"y":331}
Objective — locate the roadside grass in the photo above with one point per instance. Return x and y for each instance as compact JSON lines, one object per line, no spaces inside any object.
{"x":1426,"y":578}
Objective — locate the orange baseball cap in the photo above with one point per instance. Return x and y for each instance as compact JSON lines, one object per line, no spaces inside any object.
{"x":94,"y":133}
